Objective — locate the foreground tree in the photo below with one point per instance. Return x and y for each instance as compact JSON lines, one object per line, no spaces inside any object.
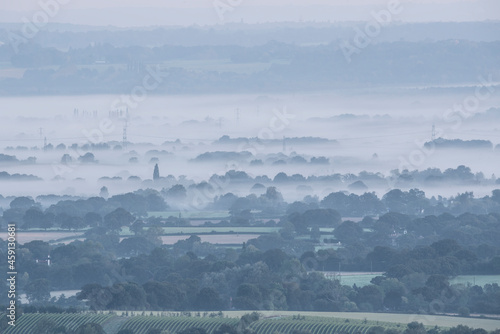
{"x":38,"y":291}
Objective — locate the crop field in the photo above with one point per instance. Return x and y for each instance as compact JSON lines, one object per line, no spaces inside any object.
{"x":360,"y":279}
{"x":28,"y":323}
{"x":383,"y":319}
{"x":270,"y":322}
{"x":315,"y":325}
{"x":141,"y":324}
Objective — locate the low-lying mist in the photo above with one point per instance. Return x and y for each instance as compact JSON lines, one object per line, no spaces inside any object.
{"x":304,"y":134}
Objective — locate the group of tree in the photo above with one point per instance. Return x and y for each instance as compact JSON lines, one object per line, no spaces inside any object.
{"x":77,"y":214}
{"x":307,"y":67}
{"x":416,"y":280}
{"x":264,"y":195}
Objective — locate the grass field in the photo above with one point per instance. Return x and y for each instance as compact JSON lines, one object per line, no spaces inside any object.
{"x":373,"y":319}
{"x":29,"y":323}
{"x":360,"y":279}
{"x":480,"y":280}
{"x":270,"y":323}
{"x":427,"y":320}
{"x":326,"y":246}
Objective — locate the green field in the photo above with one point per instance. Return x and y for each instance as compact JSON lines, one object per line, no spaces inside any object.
{"x":270,"y":322}
{"x":141,"y":324}
{"x":29,"y":323}
{"x":326,"y":246}
{"x":359,"y":280}
{"x":385,"y":319}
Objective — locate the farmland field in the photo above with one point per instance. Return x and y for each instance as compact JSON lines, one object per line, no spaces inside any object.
{"x":221,"y":235}
{"x":428,"y":320}
{"x":141,"y":324}
{"x":270,"y":322}
{"x":28,"y":323}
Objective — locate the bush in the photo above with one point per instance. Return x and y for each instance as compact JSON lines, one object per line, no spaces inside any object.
{"x":463,"y":311}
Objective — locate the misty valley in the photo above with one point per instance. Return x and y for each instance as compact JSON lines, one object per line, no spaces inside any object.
{"x":245,"y":179}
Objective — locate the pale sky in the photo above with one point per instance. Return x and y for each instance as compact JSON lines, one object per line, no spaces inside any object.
{"x":34,"y":4}
{"x":207,"y":12}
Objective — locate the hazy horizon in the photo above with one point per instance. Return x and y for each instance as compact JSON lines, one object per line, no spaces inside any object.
{"x":135,"y":13}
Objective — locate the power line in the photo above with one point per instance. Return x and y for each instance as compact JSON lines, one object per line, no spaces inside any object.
{"x":124,"y":143}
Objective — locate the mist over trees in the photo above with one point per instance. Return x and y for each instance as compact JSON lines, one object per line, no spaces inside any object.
{"x":418,"y":253}
{"x":266,"y":165}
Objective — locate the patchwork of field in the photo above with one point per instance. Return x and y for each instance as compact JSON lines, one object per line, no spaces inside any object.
{"x":143,"y":322}
{"x":427,"y":320}
{"x":140,"y":322}
{"x":216,"y":235}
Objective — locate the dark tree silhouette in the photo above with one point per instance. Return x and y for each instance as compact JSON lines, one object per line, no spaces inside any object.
{"x":156,"y":173}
